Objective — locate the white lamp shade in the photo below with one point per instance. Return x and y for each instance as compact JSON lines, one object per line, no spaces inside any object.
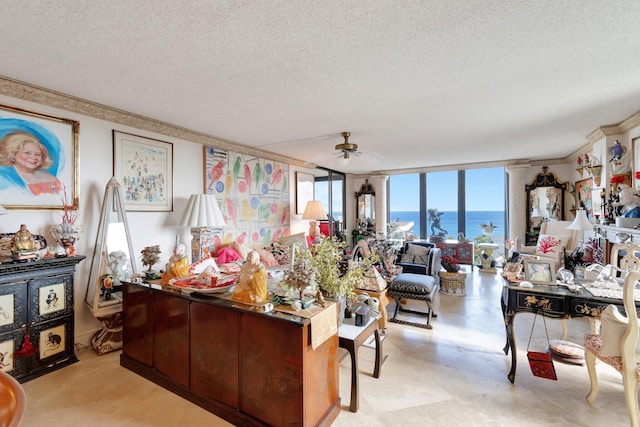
{"x":3,"y":210}
{"x":314,"y":210}
{"x":202,"y":211}
{"x":581,"y":222}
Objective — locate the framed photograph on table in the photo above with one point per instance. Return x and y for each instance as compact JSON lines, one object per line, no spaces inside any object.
{"x":584,"y":201}
{"x":38,"y":160}
{"x":144,"y":169}
{"x":304,"y":190}
{"x":540,"y":271}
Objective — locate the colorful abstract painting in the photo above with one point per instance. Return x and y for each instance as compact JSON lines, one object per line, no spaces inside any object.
{"x":253,"y":194}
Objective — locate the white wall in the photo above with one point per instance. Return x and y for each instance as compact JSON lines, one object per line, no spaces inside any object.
{"x":96,"y":167}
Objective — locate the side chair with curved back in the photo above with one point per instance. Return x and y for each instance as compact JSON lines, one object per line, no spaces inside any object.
{"x":615,"y":342}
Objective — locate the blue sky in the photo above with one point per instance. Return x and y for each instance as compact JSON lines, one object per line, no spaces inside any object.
{"x":485,"y":190}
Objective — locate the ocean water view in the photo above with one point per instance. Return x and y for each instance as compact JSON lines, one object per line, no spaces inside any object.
{"x":449,"y":222}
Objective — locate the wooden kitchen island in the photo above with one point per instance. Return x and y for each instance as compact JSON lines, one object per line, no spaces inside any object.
{"x":246,"y":366}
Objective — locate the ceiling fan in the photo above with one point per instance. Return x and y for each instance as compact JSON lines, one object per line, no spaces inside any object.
{"x":346,"y":148}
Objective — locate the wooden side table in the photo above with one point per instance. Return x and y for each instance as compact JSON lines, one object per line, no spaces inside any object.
{"x":351,"y":338}
{"x":452,"y":283}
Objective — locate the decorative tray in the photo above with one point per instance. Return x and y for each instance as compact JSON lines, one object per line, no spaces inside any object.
{"x":215,"y":284}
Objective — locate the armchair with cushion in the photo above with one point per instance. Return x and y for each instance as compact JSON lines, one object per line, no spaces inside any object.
{"x":554,"y":241}
{"x":420,"y":258}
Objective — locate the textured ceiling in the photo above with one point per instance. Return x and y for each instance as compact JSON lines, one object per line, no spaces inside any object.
{"x":417,"y":83}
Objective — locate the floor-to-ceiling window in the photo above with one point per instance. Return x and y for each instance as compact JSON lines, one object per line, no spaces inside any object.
{"x":404,"y":201}
{"x":464,"y":200}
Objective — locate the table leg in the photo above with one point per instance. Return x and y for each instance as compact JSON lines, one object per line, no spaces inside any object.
{"x":378,"y":362}
{"x":353,"y":352}
{"x":511,"y":345}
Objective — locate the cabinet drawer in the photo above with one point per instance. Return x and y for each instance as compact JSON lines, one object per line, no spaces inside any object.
{"x":532,"y":301}
{"x":50,"y":297}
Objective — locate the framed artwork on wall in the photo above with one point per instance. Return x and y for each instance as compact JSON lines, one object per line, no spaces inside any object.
{"x":304,"y":190}
{"x":583,"y":195}
{"x":38,"y":160}
{"x":144,"y":170}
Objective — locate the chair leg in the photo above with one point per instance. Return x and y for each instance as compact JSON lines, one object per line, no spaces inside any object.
{"x":590,"y":360}
{"x":631,"y":397}
{"x":430,"y":314}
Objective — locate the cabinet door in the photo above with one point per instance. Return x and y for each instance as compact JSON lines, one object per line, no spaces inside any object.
{"x":54,"y":340}
{"x":272,"y":366}
{"x":171,"y":336}
{"x":13,"y":306}
{"x":214,"y":352}
{"x":10,"y":342}
{"x":137,"y":331}
{"x":50,"y":297}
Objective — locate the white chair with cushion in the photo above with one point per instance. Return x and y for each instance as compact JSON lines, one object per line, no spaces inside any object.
{"x":554,"y":239}
{"x":615,"y":344}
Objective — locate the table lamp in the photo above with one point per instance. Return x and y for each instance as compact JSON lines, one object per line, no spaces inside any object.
{"x":203,"y":216}
{"x":581,"y":223}
{"x":314,"y":211}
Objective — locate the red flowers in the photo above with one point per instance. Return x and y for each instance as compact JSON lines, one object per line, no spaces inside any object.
{"x":638,"y":175}
{"x":617,"y":179}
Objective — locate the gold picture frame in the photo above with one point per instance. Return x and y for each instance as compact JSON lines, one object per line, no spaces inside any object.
{"x":54,"y":140}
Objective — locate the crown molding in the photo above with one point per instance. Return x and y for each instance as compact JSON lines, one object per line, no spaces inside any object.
{"x":40,"y":95}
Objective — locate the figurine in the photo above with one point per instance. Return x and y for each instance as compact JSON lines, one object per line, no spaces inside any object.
{"x":23,"y":245}
{"x":252,"y":281}
{"x":178,"y":265}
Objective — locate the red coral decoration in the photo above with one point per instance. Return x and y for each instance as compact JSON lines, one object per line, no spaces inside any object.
{"x":547,"y":244}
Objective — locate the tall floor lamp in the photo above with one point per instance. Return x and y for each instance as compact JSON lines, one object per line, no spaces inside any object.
{"x":204,"y":217}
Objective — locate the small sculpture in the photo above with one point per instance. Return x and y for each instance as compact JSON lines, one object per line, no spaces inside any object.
{"x":252,"y":281}
{"x":23,"y":245}
{"x":150,"y":257}
{"x":630,"y":202}
{"x":178,"y":265}
{"x":434,"y":217}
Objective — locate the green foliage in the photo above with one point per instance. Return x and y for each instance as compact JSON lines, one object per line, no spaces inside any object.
{"x":326,"y":257}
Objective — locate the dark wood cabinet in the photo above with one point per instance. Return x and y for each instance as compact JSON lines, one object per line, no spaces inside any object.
{"x":36,"y":298}
{"x":248,"y":367}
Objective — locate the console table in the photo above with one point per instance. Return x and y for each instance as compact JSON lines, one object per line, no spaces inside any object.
{"x":237,"y":361}
{"x":462,"y":253}
{"x":551,"y":301}
{"x":36,"y":300}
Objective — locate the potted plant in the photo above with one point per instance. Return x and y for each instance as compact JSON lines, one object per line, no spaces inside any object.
{"x":150,"y":257}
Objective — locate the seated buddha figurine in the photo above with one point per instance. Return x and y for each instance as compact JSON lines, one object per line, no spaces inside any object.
{"x":252,"y":281}
{"x":178,"y":265}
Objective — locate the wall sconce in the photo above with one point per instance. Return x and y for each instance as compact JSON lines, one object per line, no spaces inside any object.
{"x":203,"y":216}
{"x":314,"y":211}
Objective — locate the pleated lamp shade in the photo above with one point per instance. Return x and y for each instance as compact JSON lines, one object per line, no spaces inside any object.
{"x":202,"y":211}
{"x":3,"y":210}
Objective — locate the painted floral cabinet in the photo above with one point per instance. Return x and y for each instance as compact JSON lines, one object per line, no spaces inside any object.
{"x":36,"y":301}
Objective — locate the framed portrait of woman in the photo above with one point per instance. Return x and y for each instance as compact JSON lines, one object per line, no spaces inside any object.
{"x":38,"y":160}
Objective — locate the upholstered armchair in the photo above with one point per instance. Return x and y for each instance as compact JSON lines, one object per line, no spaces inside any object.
{"x":420,"y":258}
{"x":554,"y":241}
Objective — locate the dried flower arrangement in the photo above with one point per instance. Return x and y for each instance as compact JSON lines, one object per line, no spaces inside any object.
{"x":150,"y":256}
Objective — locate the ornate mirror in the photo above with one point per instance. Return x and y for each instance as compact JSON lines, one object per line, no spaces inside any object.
{"x":545,"y":201}
{"x":366,"y":206}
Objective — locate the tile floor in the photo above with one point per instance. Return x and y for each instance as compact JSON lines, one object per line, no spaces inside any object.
{"x":453,"y":375}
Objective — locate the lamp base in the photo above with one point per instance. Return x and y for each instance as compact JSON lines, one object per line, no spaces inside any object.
{"x":203,"y":243}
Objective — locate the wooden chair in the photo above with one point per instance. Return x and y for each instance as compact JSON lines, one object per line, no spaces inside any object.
{"x":625,"y":362}
{"x":13,"y":401}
